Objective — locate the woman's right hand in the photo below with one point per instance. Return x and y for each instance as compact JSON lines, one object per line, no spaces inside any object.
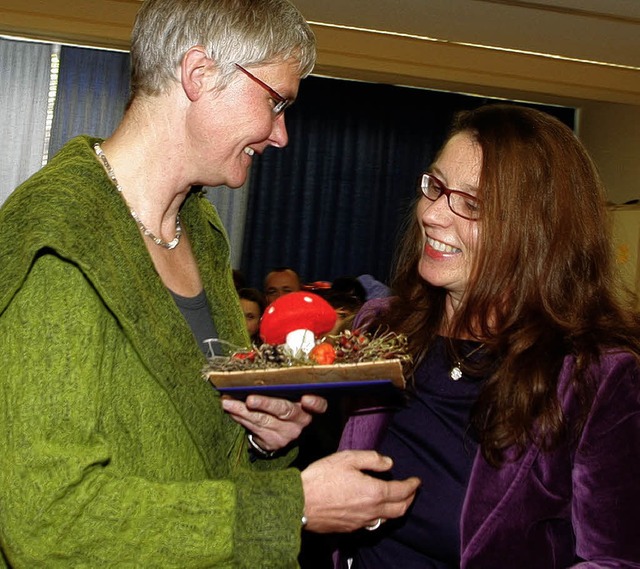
{"x":340,"y":497}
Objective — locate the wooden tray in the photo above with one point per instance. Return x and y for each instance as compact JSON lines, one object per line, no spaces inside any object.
{"x":311,"y":378}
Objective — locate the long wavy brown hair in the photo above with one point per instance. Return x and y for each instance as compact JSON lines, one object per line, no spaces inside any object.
{"x":543,"y":284}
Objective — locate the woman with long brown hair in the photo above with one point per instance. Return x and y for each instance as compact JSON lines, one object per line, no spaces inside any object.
{"x":523,"y":416}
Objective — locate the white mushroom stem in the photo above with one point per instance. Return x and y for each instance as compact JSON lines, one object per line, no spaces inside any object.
{"x":300,"y":342}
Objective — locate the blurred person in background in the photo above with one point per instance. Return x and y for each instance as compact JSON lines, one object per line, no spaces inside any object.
{"x":253,"y":304}
{"x":281,"y":281}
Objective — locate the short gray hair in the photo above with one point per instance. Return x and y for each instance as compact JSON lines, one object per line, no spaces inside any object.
{"x":247,"y":32}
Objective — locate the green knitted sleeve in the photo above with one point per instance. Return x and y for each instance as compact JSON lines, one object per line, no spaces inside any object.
{"x":96,"y":466}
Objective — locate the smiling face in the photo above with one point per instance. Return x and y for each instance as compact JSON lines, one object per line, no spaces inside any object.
{"x":228,"y":126}
{"x":450,"y":241}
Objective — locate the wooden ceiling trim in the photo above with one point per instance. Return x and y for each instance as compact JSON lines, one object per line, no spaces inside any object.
{"x":356,"y":53}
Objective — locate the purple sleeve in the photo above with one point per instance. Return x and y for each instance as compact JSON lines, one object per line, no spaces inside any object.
{"x":606,"y":473}
{"x":371,"y":310}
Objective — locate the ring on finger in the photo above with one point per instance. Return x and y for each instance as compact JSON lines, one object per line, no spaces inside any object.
{"x":374,"y":526}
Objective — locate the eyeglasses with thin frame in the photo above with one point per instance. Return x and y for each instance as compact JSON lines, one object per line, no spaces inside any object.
{"x":462,"y":204}
{"x":280,"y":104}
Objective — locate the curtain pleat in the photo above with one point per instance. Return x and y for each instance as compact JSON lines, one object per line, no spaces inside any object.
{"x":231,"y":204}
{"x":24,"y":68}
{"x":93,"y":90}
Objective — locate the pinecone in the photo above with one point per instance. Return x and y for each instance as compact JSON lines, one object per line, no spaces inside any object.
{"x":273,"y":354}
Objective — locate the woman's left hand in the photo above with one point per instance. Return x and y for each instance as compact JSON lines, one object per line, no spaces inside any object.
{"x":274,"y":422}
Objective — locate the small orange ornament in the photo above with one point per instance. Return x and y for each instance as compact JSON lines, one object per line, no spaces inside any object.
{"x":323,"y":353}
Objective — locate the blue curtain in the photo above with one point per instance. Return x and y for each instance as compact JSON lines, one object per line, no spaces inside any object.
{"x":93,"y":90}
{"x":333,"y":201}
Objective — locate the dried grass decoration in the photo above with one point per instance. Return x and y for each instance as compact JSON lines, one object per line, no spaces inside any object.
{"x":343,"y":359}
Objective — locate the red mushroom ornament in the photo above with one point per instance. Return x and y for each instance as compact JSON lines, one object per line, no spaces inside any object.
{"x":295,"y":319}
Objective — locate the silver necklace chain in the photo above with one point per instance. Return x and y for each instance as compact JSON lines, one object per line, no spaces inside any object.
{"x":456,"y":370}
{"x":146,"y":232}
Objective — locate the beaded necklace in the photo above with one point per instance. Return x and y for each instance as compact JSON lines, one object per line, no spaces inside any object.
{"x":146,"y":232}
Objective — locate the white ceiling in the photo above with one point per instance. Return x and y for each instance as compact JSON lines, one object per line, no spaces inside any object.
{"x":605,"y":31}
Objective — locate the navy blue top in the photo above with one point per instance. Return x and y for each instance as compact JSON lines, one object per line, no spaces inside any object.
{"x":430,"y":438}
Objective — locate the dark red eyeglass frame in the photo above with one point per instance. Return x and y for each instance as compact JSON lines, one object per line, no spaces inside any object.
{"x":281,"y":103}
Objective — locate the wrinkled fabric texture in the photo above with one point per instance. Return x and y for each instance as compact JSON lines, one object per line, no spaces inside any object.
{"x":578,"y":506}
{"x":114,"y":451}
{"x":373,"y":287}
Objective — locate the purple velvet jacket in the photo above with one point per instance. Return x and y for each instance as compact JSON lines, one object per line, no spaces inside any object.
{"x":574,"y":507}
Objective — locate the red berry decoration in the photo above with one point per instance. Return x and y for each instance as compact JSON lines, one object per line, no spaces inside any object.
{"x":244,"y":356}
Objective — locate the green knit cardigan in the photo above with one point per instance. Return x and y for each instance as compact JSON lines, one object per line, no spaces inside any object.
{"x":114,"y":452}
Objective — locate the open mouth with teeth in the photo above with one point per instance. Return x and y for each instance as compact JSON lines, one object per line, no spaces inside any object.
{"x":442,"y":247}
{"x":249,"y":151}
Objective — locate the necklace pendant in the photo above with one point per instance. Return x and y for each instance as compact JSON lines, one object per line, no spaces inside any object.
{"x":456,"y":372}
{"x":172,"y":244}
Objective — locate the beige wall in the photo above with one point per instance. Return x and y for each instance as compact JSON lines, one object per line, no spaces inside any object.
{"x":611,"y":132}
{"x":608,"y":98}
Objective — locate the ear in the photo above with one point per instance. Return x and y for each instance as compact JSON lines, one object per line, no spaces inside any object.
{"x":194,"y":71}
